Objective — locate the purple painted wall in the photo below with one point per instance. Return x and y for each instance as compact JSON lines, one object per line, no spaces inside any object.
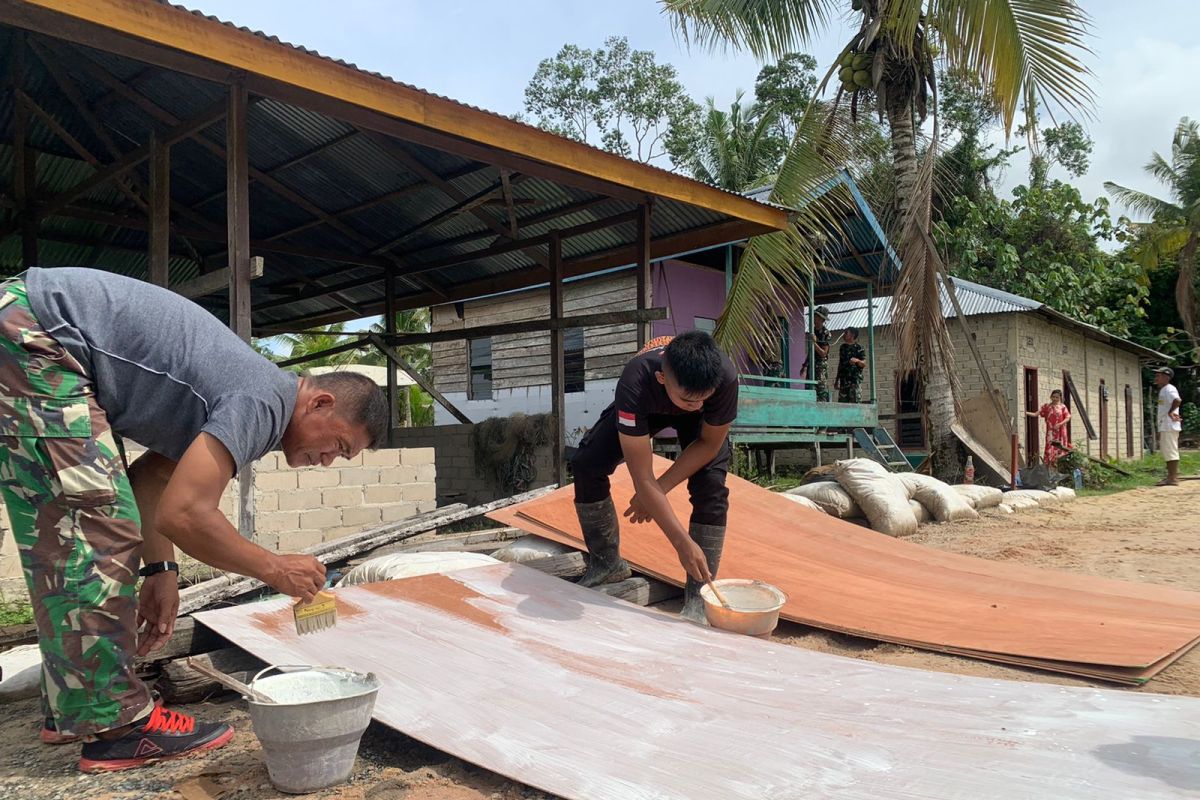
{"x":688,"y":292}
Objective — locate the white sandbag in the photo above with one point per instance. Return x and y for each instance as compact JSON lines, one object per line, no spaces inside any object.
{"x":802,"y":501}
{"x":1064,"y":493}
{"x":945,"y":504}
{"x":920,"y":512}
{"x":1002,"y":508}
{"x":21,"y":668}
{"x":1019,"y":500}
{"x":980,"y":497}
{"x":1038,"y":497}
{"x":530,"y":548}
{"x":410,"y":565}
{"x":830,"y":497}
{"x":882,"y":498}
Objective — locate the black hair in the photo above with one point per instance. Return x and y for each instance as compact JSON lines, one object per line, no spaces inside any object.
{"x":852,"y":331}
{"x":359,"y":401}
{"x":694,"y":361}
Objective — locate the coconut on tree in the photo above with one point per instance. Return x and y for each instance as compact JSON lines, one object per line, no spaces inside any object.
{"x":1024,"y":54}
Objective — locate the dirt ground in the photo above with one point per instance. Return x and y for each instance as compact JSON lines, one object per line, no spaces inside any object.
{"x":1150,"y":535}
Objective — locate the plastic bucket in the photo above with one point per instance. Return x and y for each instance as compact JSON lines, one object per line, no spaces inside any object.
{"x":310,"y":734}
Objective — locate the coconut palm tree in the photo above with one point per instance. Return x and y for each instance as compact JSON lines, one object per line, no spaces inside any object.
{"x":1173,"y":228}
{"x":416,"y":407}
{"x":303,"y":344}
{"x":738,"y":149}
{"x":1025,"y":54}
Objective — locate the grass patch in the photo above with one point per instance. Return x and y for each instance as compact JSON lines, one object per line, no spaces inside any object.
{"x":15,"y":612}
{"x":1100,"y":479}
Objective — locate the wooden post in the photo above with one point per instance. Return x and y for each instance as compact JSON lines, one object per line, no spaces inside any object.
{"x":871,"y":337}
{"x":24,"y":175}
{"x":389,"y":325}
{"x":237,"y":205}
{"x":557,"y":360}
{"x":644,"y":284}
{"x":728,"y":270}
{"x":810,"y":337}
{"x":160,"y":212}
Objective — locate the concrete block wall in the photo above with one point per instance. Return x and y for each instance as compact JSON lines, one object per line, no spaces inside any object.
{"x":454,"y":463}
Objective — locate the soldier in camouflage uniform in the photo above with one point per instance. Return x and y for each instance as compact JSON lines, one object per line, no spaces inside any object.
{"x":821,"y":353}
{"x":852,"y":359}
{"x":83,"y":358}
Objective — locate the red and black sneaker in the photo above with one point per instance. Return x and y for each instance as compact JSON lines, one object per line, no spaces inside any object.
{"x":50,"y":734}
{"x":164,"y":735}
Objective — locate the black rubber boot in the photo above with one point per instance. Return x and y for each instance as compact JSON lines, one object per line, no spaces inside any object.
{"x":711,"y":539}
{"x":602,"y":535}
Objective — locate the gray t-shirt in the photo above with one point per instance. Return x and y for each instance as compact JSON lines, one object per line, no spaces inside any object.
{"x":164,"y":369}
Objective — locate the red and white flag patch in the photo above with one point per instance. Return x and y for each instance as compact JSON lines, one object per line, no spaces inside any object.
{"x":627,"y":418}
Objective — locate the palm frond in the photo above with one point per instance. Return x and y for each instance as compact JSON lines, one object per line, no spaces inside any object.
{"x":1143,"y":203}
{"x":1164,"y":172}
{"x":767,"y":28}
{"x":1020,"y":48}
{"x":772,"y":277}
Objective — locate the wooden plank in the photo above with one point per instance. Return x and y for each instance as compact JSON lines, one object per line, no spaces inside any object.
{"x":216,"y":281}
{"x":841,"y":576}
{"x":640,"y":591}
{"x":998,"y":470}
{"x":179,"y":683}
{"x":1078,"y":406}
{"x":237,"y":231}
{"x":558,"y":404}
{"x":187,"y":639}
{"x":420,"y":379}
{"x":536,"y":658}
{"x":389,"y":325}
{"x":160,"y":213}
{"x":645,"y":281}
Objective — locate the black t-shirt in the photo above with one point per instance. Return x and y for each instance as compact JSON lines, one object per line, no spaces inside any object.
{"x":639,"y":394}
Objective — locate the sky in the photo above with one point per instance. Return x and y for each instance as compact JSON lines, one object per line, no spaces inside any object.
{"x":1145,"y":60}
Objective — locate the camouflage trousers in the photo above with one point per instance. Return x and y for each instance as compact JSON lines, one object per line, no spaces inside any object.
{"x":822,"y":378}
{"x":76,"y":526}
{"x":850,"y":392}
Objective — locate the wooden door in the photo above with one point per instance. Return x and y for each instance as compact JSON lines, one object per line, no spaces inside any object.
{"x":1033,"y":439}
{"x":1103,"y":419}
{"x":1129,"y":422}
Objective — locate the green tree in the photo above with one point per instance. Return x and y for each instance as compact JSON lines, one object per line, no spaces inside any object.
{"x":1172,"y":230}
{"x":787,"y":87}
{"x":738,"y":149}
{"x":1018,"y":51}
{"x":416,"y":407}
{"x":330,"y":336}
{"x":614,"y":97}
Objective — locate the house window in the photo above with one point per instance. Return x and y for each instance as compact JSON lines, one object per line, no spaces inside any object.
{"x":705,"y":324}
{"x":479,"y":353}
{"x":910,"y":421}
{"x":573,"y":359}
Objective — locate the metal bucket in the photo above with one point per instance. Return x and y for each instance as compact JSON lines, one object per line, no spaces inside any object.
{"x":310,"y":734}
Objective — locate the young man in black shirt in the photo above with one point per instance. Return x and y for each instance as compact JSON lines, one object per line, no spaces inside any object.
{"x":684,"y":383}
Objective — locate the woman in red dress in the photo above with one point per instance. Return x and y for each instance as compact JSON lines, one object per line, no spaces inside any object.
{"x":1057,"y":415}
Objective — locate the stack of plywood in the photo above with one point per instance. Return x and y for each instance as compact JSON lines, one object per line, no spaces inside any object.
{"x":842,"y":577}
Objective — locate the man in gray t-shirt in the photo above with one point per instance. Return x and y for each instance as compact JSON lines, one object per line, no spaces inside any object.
{"x":85,"y":355}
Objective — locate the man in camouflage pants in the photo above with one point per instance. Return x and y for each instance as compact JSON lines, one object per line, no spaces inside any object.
{"x":852,"y":359}
{"x":821,"y":353}
{"x":86,"y":356}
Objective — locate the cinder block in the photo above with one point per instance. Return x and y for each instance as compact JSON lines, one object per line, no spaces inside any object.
{"x":294,"y":541}
{"x":320,"y":519}
{"x":342,"y":497}
{"x":266,"y":501}
{"x":397,"y":511}
{"x":275,"y":481}
{"x":420,"y":491}
{"x":276,"y":521}
{"x":414,"y":456}
{"x":271,"y":461}
{"x":361,"y":516}
{"x":267,"y":540}
{"x":426,"y":505}
{"x":383,"y":494}
{"x":300,"y":500}
{"x":357,"y":461}
{"x":397,"y":476}
{"x":318,"y":478}
{"x":359,"y":476}
{"x":388,"y":457}
{"x":427,"y":473}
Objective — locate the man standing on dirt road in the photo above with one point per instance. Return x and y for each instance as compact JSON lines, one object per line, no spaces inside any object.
{"x":1170,"y":423}
{"x":686,"y":383}
{"x":86,"y":356}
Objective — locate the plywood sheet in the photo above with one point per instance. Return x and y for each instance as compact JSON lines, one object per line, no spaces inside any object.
{"x":584,"y":696}
{"x":844,"y":577}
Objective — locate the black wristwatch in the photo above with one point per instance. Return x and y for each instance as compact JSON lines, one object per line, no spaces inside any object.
{"x":157,"y":567}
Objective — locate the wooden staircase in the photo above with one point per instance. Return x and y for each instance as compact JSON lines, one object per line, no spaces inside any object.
{"x":878,"y":444}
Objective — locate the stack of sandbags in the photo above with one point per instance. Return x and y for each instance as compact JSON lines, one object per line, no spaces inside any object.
{"x":920,"y":512}
{"x":942,"y":501}
{"x":530,"y":548}
{"x":830,"y":497}
{"x":410,"y":565}
{"x":980,"y":497}
{"x":20,"y":673}
{"x":1064,"y":493}
{"x":800,"y":500}
{"x":879,"y":494}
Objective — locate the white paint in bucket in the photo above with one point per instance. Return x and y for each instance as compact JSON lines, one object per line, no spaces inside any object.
{"x":311,"y":732}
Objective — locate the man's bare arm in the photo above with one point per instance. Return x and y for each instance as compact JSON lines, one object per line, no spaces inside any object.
{"x":696,"y":456}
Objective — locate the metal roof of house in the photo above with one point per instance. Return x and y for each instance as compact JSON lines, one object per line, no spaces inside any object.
{"x":978,"y":300}
{"x":353,"y":174}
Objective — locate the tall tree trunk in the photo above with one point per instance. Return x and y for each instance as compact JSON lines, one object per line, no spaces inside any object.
{"x":1185,"y":290}
{"x":939,"y":393}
